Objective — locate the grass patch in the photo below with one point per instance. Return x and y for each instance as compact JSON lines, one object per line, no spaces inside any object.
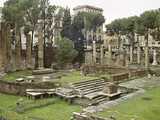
{"x":74,"y":76}
{"x":59,"y":110}
{"x":12,"y":76}
{"x":145,"y":107}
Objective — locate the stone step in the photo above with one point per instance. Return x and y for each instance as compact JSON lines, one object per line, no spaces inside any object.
{"x":91,"y":84}
{"x":92,"y":91}
{"x":42,"y":71}
{"x":95,"y":82}
{"x":98,"y":100}
{"x":92,"y":88}
{"x":102,"y":100}
{"x":87,"y":82}
{"x":98,"y":97}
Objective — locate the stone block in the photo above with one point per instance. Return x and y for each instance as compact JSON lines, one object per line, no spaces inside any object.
{"x":42,"y":71}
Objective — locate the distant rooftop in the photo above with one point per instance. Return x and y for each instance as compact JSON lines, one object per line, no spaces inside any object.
{"x":87,"y":6}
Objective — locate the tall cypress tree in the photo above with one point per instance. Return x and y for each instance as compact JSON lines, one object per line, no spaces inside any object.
{"x":66,"y":30}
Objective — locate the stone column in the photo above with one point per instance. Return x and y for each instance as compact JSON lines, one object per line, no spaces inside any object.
{"x":94,"y":52}
{"x":110,"y":53}
{"x":102,"y":54}
{"x":87,"y":37}
{"x":138,"y":55}
{"x":9,"y":50}
{"x":88,"y":56}
{"x":28,"y":51}
{"x":1,"y":50}
{"x":147,"y":51}
{"x":18,"y":53}
{"x":5,"y":48}
{"x":131,"y":54}
{"x":3,"y":57}
{"x":40,"y":49}
{"x":146,"y":57}
{"x":154,"y":57}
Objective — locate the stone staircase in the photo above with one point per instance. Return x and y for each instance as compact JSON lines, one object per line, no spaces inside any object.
{"x":90,"y":90}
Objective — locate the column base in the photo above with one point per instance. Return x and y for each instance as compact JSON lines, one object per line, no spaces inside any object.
{"x":154,"y":63}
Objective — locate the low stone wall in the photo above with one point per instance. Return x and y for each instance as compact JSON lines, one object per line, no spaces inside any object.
{"x":83,"y":116}
{"x":120,"y":77}
{"x":16,"y":88}
{"x":137,"y":73}
{"x":128,"y":75}
{"x":87,"y":69}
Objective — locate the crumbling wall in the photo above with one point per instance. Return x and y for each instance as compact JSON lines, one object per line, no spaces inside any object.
{"x":16,"y":88}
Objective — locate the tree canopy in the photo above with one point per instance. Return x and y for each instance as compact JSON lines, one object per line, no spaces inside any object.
{"x":139,"y":24}
{"x":65,"y":51}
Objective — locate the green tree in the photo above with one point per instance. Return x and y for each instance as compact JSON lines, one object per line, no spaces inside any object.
{"x":66,"y":23}
{"x":65,"y":51}
{"x":32,"y":12}
{"x":125,"y":25}
{"x":157,"y":24}
{"x":77,"y":36}
{"x":148,"y":19}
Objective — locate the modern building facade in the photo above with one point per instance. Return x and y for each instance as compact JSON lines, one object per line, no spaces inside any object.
{"x":87,"y":8}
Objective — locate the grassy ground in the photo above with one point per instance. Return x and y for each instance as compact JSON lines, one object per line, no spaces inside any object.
{"x":73,"y":77}
{"x":146,"y":107}
{"x":12,"y":76}
{"x":59,"y":110}
{"x":69,"y":77}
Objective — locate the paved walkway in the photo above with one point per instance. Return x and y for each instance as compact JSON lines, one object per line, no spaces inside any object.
{"x":140,"y":84}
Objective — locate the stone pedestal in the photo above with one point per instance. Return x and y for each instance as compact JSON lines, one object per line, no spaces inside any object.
{"x":154,"y":58}
{"x":110,"y":88}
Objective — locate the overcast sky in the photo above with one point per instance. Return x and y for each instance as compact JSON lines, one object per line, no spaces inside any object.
{"x":112,"y":8}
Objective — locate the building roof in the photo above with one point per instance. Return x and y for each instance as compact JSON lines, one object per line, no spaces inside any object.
{"x":87,"y":6}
